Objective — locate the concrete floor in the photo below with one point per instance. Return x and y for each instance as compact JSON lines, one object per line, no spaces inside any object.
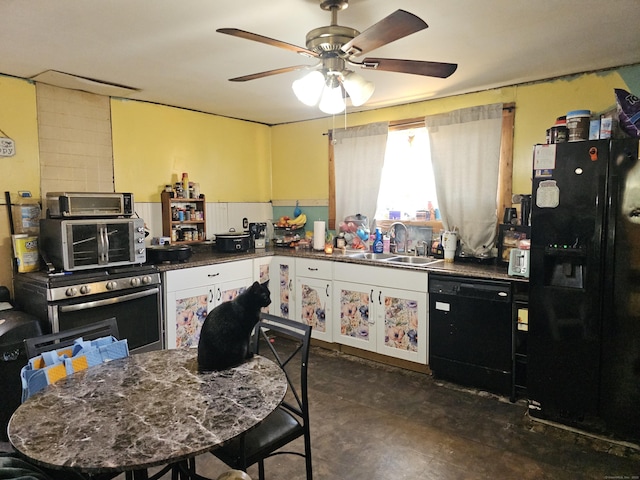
{"x":374,"y":422}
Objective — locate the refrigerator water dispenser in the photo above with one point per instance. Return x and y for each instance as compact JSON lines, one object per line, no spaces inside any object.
{"x":564,"y":271}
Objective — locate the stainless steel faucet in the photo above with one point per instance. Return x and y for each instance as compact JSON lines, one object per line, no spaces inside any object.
{"x":425,"y":248}
{"x":406,"y":235}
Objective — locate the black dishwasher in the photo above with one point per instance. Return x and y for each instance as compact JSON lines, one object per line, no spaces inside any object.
{"x":471,"y":332}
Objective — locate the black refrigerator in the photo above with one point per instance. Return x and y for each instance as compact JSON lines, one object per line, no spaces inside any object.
{"x":584,"y":302}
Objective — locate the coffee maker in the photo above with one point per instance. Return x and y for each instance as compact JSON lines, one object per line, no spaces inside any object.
{"x":525,"y":207}
{"x":258,"y":233}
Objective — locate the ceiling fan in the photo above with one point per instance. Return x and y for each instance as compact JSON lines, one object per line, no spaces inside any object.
{"x":337,"y":47}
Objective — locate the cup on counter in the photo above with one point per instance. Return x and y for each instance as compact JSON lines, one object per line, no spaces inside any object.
{"x":449,"y":244}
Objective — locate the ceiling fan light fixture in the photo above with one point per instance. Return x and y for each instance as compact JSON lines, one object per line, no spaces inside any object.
{"x":359,"y":89}
{"x":331,"y":101}
{"x":309,"y":88}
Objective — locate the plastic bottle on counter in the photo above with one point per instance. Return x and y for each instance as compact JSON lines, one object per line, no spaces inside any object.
{"x":26,"y":214}
{"x":378,"y":246}
{"x":386,"y":244}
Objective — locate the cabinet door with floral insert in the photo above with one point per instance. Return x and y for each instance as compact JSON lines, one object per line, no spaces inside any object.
{"x":314,"y":306}
{"x":226,"y":292}
{"x":401,"y":318}
{"x":286,"y":278}
{"x":354,"y":319}
{"x":187,"y":310}
{"x":280,"y":273}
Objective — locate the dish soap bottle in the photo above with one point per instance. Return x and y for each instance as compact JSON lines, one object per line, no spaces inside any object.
{"x":377,"y":243}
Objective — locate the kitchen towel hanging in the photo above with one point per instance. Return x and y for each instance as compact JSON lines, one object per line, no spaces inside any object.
{"x":318,"y":235}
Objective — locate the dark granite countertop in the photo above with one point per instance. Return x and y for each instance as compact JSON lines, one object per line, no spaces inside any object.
{"x":148,"y":409}
{"x":205,"y":254}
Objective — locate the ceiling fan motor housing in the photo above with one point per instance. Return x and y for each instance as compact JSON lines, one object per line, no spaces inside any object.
{"x":330,"y":39}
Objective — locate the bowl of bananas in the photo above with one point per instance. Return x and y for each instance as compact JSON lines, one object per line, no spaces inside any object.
{"x":288,"y":231}
{"x":291,"y":223}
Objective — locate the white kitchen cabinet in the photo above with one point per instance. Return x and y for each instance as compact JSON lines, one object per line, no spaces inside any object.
{"x":280,"y":271}
{"x":354,"y":321}
{"x":313,"y":296}
{"x":401,"y":320}
{"x":191,"y":293}
{"x":382,"y":310}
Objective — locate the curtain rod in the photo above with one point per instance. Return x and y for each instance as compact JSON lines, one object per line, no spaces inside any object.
{"x":417,"y":121}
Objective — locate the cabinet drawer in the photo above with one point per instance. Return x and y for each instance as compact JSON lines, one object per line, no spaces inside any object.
{"x":314,"y":268}
{"x":207,"y":275}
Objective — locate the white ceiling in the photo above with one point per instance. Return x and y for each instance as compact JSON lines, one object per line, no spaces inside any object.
{"x":170,"y":51}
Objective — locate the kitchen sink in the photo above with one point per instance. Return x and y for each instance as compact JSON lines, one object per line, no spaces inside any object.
{"x":412,"y":260}
{"x":372,"y":256}
{"x":394,"y":258}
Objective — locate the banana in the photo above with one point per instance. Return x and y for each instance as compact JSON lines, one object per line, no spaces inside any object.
{"x":299,"y":220}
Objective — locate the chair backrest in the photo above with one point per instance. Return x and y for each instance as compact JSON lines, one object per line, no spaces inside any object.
{"x":44,"y":343}
{"x":289,"y":348}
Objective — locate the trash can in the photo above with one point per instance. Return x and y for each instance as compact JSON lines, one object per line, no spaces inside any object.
{"x":15,"y":326}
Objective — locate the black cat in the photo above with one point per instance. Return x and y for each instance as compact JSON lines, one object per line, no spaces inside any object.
{"x":225,"y":335}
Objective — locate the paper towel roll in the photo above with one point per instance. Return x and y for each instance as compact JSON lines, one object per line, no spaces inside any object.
{"x":318,"y":235}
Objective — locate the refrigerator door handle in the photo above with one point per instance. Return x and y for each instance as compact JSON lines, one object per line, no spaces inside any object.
{"x":608,"y":256}
{"x":601,"y":220}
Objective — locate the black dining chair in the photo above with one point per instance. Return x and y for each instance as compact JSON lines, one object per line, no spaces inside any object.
{"x":286,"y":342}
{"x":44,"y":343}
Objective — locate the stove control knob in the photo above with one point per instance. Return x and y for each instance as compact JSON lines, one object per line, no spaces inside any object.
{"x":111,"y":285}
{"x":71,"y":292}
{"x":85,"y":289}
{"x":134,"y":282}
{"x":146,"y":280}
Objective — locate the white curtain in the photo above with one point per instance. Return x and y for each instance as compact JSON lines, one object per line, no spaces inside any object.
{"x":358,"y":160}
{"x":465,"y":151}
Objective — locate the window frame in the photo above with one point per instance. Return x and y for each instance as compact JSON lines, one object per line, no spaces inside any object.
{"x":505,"y":172}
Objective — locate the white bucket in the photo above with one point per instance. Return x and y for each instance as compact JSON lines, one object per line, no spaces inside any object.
{"x":449,"y":244}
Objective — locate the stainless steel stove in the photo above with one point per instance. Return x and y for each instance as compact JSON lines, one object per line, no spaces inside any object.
{"x":66,"y":300}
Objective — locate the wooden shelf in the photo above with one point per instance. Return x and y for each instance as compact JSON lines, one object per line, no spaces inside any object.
{"x":195,"y":228}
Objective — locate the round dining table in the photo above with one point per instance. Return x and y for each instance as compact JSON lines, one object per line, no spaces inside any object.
{"x":145,"y":410}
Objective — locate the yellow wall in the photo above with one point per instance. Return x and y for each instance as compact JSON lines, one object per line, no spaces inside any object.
{"x":538,"y":105}
{"x":154,"y":144}
{"x":18,"y":121}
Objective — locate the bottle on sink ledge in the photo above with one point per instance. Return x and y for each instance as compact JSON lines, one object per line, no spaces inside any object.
{"x":378,"y":245}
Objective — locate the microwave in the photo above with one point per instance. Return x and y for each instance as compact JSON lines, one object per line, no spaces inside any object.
{"x":89,"y":205}
{"x":82,"y":244}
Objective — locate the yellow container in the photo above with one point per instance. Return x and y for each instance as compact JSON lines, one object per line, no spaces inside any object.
{"x":25,"y":249}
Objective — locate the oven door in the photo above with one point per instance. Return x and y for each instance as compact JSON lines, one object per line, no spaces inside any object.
{"x":137,"y":312}
{"x":106,"y":243}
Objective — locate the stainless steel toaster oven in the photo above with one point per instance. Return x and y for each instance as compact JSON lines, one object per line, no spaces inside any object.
{"x":92,"y":243}
{"x":89,"y":204}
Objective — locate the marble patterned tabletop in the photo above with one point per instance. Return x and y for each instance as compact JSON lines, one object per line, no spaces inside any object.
{"x":149,"y":409}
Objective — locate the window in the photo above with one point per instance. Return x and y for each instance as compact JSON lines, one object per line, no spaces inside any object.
{"x":407,"y":184}
{"x":506,"y":160}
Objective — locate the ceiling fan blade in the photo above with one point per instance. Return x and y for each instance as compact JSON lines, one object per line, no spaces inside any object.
{"x":268,"y":73}
{"x":393,"y":27}
{"x":235,"y":32}
{"x":416,"y":67}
